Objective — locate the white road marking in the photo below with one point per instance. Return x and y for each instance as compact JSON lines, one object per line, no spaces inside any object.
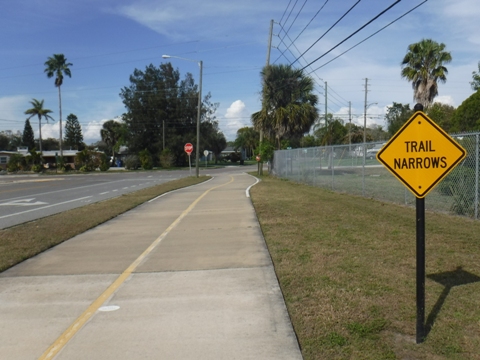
{"x":106,"y":192}
{"x":24,"y":202}
{"x":44,"y":207}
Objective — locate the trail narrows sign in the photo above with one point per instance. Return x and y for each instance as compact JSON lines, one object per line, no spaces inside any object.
{"x":188,"y":148}
{"x":421,"y":154}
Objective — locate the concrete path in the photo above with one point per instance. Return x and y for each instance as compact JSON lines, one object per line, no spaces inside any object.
{"x":186,"y":276}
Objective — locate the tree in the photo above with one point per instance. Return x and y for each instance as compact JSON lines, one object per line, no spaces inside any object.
{"x":423,"y":65}
{"x":442,"y":114}
{"x":356,"y":134}
{"x":38,"y":110}
{"x":247,"y":139}
{"x":51,"y":144}
{"x":476,"y":79}
{"x":330,"y":132}
{"x":467,"y":115}
{"x":111,"y":133}
{"x":57,"y":66}
{"x":288,"y":103}
{"x":28,"y":138}
{"x":308,"y":141}
{"x":4,"y":142}
{"x":158,"y":99}
{"x":397,"y":115}
{"x":213,"y":139}
{"x":73,"y":132}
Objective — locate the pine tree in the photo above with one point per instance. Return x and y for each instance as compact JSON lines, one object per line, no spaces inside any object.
{"x":73,"y":132}
{"x":28,"y":138}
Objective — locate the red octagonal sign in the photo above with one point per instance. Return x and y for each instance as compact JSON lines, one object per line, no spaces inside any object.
{"x":188,"y":148}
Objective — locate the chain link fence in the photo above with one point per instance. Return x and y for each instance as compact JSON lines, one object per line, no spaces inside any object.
{"x":344,"y":168}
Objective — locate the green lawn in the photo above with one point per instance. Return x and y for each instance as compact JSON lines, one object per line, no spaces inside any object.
{"x":346,"y":266}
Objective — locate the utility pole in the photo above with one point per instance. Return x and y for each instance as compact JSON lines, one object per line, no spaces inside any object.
{"x":326,"y":113}
{"x":364,"y":137}
{"x":350,"y":126}
{"x":269,"y":48}
{"x":365,"y":113}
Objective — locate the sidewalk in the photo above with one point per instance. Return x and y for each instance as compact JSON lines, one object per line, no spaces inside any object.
{"x":205,"y":289}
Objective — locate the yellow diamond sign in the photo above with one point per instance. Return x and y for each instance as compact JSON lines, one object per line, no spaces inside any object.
{"x":421,"y":154}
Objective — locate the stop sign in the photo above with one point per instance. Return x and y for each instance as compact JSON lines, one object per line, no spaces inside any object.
{"x":188,"y":148}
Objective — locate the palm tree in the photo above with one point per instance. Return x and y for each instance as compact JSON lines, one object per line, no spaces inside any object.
{"x":423,"y":65}
{"x":57,"y":66}
{"x":288,"y":103}
{"x":37,"y":109}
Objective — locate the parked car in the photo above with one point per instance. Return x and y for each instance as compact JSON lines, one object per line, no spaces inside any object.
{"x":372,"y":153}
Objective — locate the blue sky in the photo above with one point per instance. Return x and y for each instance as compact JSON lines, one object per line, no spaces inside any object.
{"x":107,"y":39}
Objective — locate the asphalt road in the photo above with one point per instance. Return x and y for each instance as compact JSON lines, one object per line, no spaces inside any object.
{"x":26,"y":198}
{"x":30,"y":197}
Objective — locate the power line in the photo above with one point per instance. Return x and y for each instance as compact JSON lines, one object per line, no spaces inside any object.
{"x":348,"y":37}
{"x":293,"y":22}
{"x":326,"y":32}
{"x":301,"y":32}
{"x":290,"y":13}
{"x":375,"y":33}
{"x":285,"y":10}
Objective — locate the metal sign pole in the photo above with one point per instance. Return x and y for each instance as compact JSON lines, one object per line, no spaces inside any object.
{"x":190,"y":164}
{"x":420,"y":213}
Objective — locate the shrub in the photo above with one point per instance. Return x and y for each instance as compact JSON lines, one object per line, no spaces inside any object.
{"x":37,"y":168}
{"x":16,"y":163}
{"x":234,"y":157}
{"x":166,"y":159}
{"x":87,"y":160}
{"x":461,"y":176}
{"x":105,"y":163}
{"x":146,"y":159}
{"x":132,"y":162}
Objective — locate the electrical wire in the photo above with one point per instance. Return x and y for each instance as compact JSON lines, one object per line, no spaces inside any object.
{"x":355,"y":32}
{"x":326,"y":32}
{"x":285,"y":10}
{"x":375,"y":33}
{"x":293,"y":22}
{"x":301,"y":32}
{"x":290,"y":13}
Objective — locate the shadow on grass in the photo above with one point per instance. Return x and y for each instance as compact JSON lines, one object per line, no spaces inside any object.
{"x":448,"y":279}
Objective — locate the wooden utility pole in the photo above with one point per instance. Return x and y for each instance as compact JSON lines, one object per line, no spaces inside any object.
{"x":269,"y":47}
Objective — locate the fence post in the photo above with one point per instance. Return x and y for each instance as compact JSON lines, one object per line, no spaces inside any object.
{"x":476,"y":177}
{"x":363,"y":168}
{"x":333,"y":173}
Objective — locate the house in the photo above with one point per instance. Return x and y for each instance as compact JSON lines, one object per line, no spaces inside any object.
{"x":49,"y":157}
{"x":4,"y":157}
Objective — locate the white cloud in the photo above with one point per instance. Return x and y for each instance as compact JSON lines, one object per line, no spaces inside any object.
{"x":50,"y":130}
{"x":12,"y":111}
{"x":446,"y":99}
{"x":91,"y":131}
{"x":186,"y":19}
{"x":235,"y":119}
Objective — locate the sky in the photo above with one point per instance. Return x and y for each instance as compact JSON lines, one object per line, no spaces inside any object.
{"x":106,"y":40}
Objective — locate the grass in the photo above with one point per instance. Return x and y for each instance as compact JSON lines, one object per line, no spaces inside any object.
{"x":26,"y":240}
{"x":346,"y":266}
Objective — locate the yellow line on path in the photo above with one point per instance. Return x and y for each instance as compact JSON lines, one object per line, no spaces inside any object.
{"x":82,"y":319}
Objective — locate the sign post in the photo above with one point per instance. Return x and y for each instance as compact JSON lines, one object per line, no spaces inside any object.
{"x":189,"y":149}
{"x":420,"y":155}
{"x":205,"y":153}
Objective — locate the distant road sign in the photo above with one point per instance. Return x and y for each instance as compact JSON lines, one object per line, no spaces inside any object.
{"x":421,"y":154}
{"x":206,"y":152}
{"x":188,"y":148}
